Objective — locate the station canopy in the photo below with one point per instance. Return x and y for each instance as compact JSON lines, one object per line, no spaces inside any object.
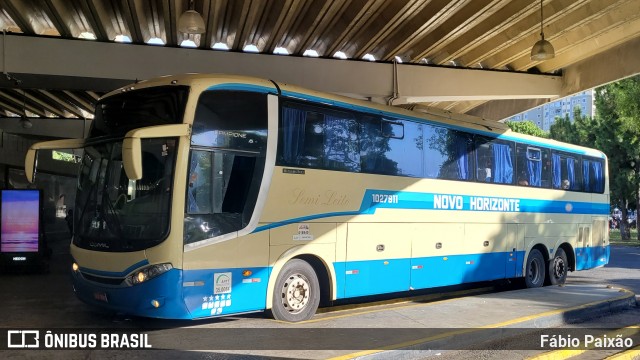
{"x":466,"y":56}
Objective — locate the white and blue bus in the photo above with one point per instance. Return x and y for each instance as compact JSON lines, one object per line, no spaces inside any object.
{"x":209,"y":195}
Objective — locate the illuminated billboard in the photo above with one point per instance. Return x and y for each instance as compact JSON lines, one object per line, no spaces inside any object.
{"x":20,"y":224}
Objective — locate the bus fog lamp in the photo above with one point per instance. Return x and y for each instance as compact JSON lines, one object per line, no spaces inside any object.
{"x":147,"y":273}
{"x":75,"y":267}
{"x":155,"y":303}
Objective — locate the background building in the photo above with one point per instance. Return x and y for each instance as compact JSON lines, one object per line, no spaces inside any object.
{"x":544,"y":116}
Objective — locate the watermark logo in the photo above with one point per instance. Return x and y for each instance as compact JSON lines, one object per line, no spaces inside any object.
{"x":23,"y":339}
{"x":77,"y":339}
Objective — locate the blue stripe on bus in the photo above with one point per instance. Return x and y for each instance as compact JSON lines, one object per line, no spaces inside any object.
{"x":454,"y":202}
{"x":592,"y":257}
{"x":370,"y":277}
{"x":123,"y":273}
{"x":244,"y":87}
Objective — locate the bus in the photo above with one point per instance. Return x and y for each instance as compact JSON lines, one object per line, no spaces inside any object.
{"x":209,"y":195}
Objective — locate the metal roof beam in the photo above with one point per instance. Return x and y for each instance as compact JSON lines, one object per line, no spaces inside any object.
{"x":47,"y":127}
{"x":84,"y":59}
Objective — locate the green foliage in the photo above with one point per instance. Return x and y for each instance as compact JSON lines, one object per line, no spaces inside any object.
{"x":527,"y":128}
{"x":618,"y":135}
{"x":563,"y":130}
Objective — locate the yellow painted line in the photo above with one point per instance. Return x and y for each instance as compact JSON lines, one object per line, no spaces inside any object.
{"x":626,"y":355}
{"x":629,"y":294}
{"x":558,"y":354}
{"x":491,"y":326}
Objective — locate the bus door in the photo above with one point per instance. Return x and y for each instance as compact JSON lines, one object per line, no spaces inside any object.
{"x":378,"y":259}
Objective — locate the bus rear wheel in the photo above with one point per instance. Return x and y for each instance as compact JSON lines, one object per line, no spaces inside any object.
{"x":297,"y":292}
{"x":535,"y":271}
{"x":558,"y":268}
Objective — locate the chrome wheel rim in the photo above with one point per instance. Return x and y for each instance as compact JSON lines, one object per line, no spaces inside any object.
{"x":558,"y":267}
{"x":295,"y":293}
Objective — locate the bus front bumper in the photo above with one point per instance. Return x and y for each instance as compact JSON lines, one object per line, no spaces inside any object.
{"x":160,"y":297}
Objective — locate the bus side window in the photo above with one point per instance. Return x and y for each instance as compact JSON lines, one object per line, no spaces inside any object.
{"x":494,"y":161}
{"x":341,"y":150}
{"x":566,"y":172}
{"x":302,"y":138}
{"x":447,"y":154}
{"x":391,"y":147}
{"x":531,"y":166}
{"x":592,"y":173}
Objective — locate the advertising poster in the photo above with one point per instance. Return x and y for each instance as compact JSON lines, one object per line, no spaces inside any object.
{"x":20,"y":221}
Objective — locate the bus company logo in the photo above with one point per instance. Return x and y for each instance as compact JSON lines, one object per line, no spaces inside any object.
{"x":23,"y":339}
{"x":230,"y":134}
{"x":221,"y":283}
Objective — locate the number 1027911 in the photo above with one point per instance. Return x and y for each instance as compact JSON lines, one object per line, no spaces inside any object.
{"x":384,"y":198}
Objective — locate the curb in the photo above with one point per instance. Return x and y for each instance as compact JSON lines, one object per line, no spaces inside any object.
{"x":419,"y":349}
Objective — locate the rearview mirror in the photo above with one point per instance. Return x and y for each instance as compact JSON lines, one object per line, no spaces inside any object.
{"x":132,"y":145}
{"x":31,"y":159}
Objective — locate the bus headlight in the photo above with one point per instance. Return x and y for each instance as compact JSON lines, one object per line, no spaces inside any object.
{"x":147,"y":273}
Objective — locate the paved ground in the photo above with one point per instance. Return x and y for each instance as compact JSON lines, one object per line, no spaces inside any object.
{"x":47,"y":302}
{"x":622,"y":270}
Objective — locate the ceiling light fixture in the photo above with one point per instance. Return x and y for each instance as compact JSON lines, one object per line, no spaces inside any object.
{"x":542,"y":50}
{"x":191,"y":22}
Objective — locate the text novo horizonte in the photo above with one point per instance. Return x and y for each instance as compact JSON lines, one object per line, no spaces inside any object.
{"x":475,"y":203}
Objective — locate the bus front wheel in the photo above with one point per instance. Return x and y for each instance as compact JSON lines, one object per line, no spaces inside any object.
{"x":535,"y":270}
{"x":297,"y":292}
{"x":558,"y":268}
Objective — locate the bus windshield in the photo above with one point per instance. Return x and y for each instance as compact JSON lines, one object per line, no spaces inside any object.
{"x":116,"y":214}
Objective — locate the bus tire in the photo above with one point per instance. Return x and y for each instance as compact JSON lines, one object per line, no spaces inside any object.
{"x":534,"y":275}
{"x":558,"y":267}
{"x":296,"y":295}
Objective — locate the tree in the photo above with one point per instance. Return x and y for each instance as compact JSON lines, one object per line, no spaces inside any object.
{"x":618,"y":135}
{"x":563,"y":130}
{"x":527,"y":128}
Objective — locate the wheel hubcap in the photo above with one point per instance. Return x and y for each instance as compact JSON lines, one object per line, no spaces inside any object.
{"x":558,"y":268}
{"x":295,"y":293}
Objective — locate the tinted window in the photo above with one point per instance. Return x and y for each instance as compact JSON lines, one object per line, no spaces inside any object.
{"x":533,"y":166}
{"x":446,"y":154}
{"x":385,"y":152}
{"x":494,"y":159}
{"x":312,"y":137}
{"x":565,"y":172}
{"x":593,"y":175}
{"x":231,"y":119}
{"x":118,"y":114}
